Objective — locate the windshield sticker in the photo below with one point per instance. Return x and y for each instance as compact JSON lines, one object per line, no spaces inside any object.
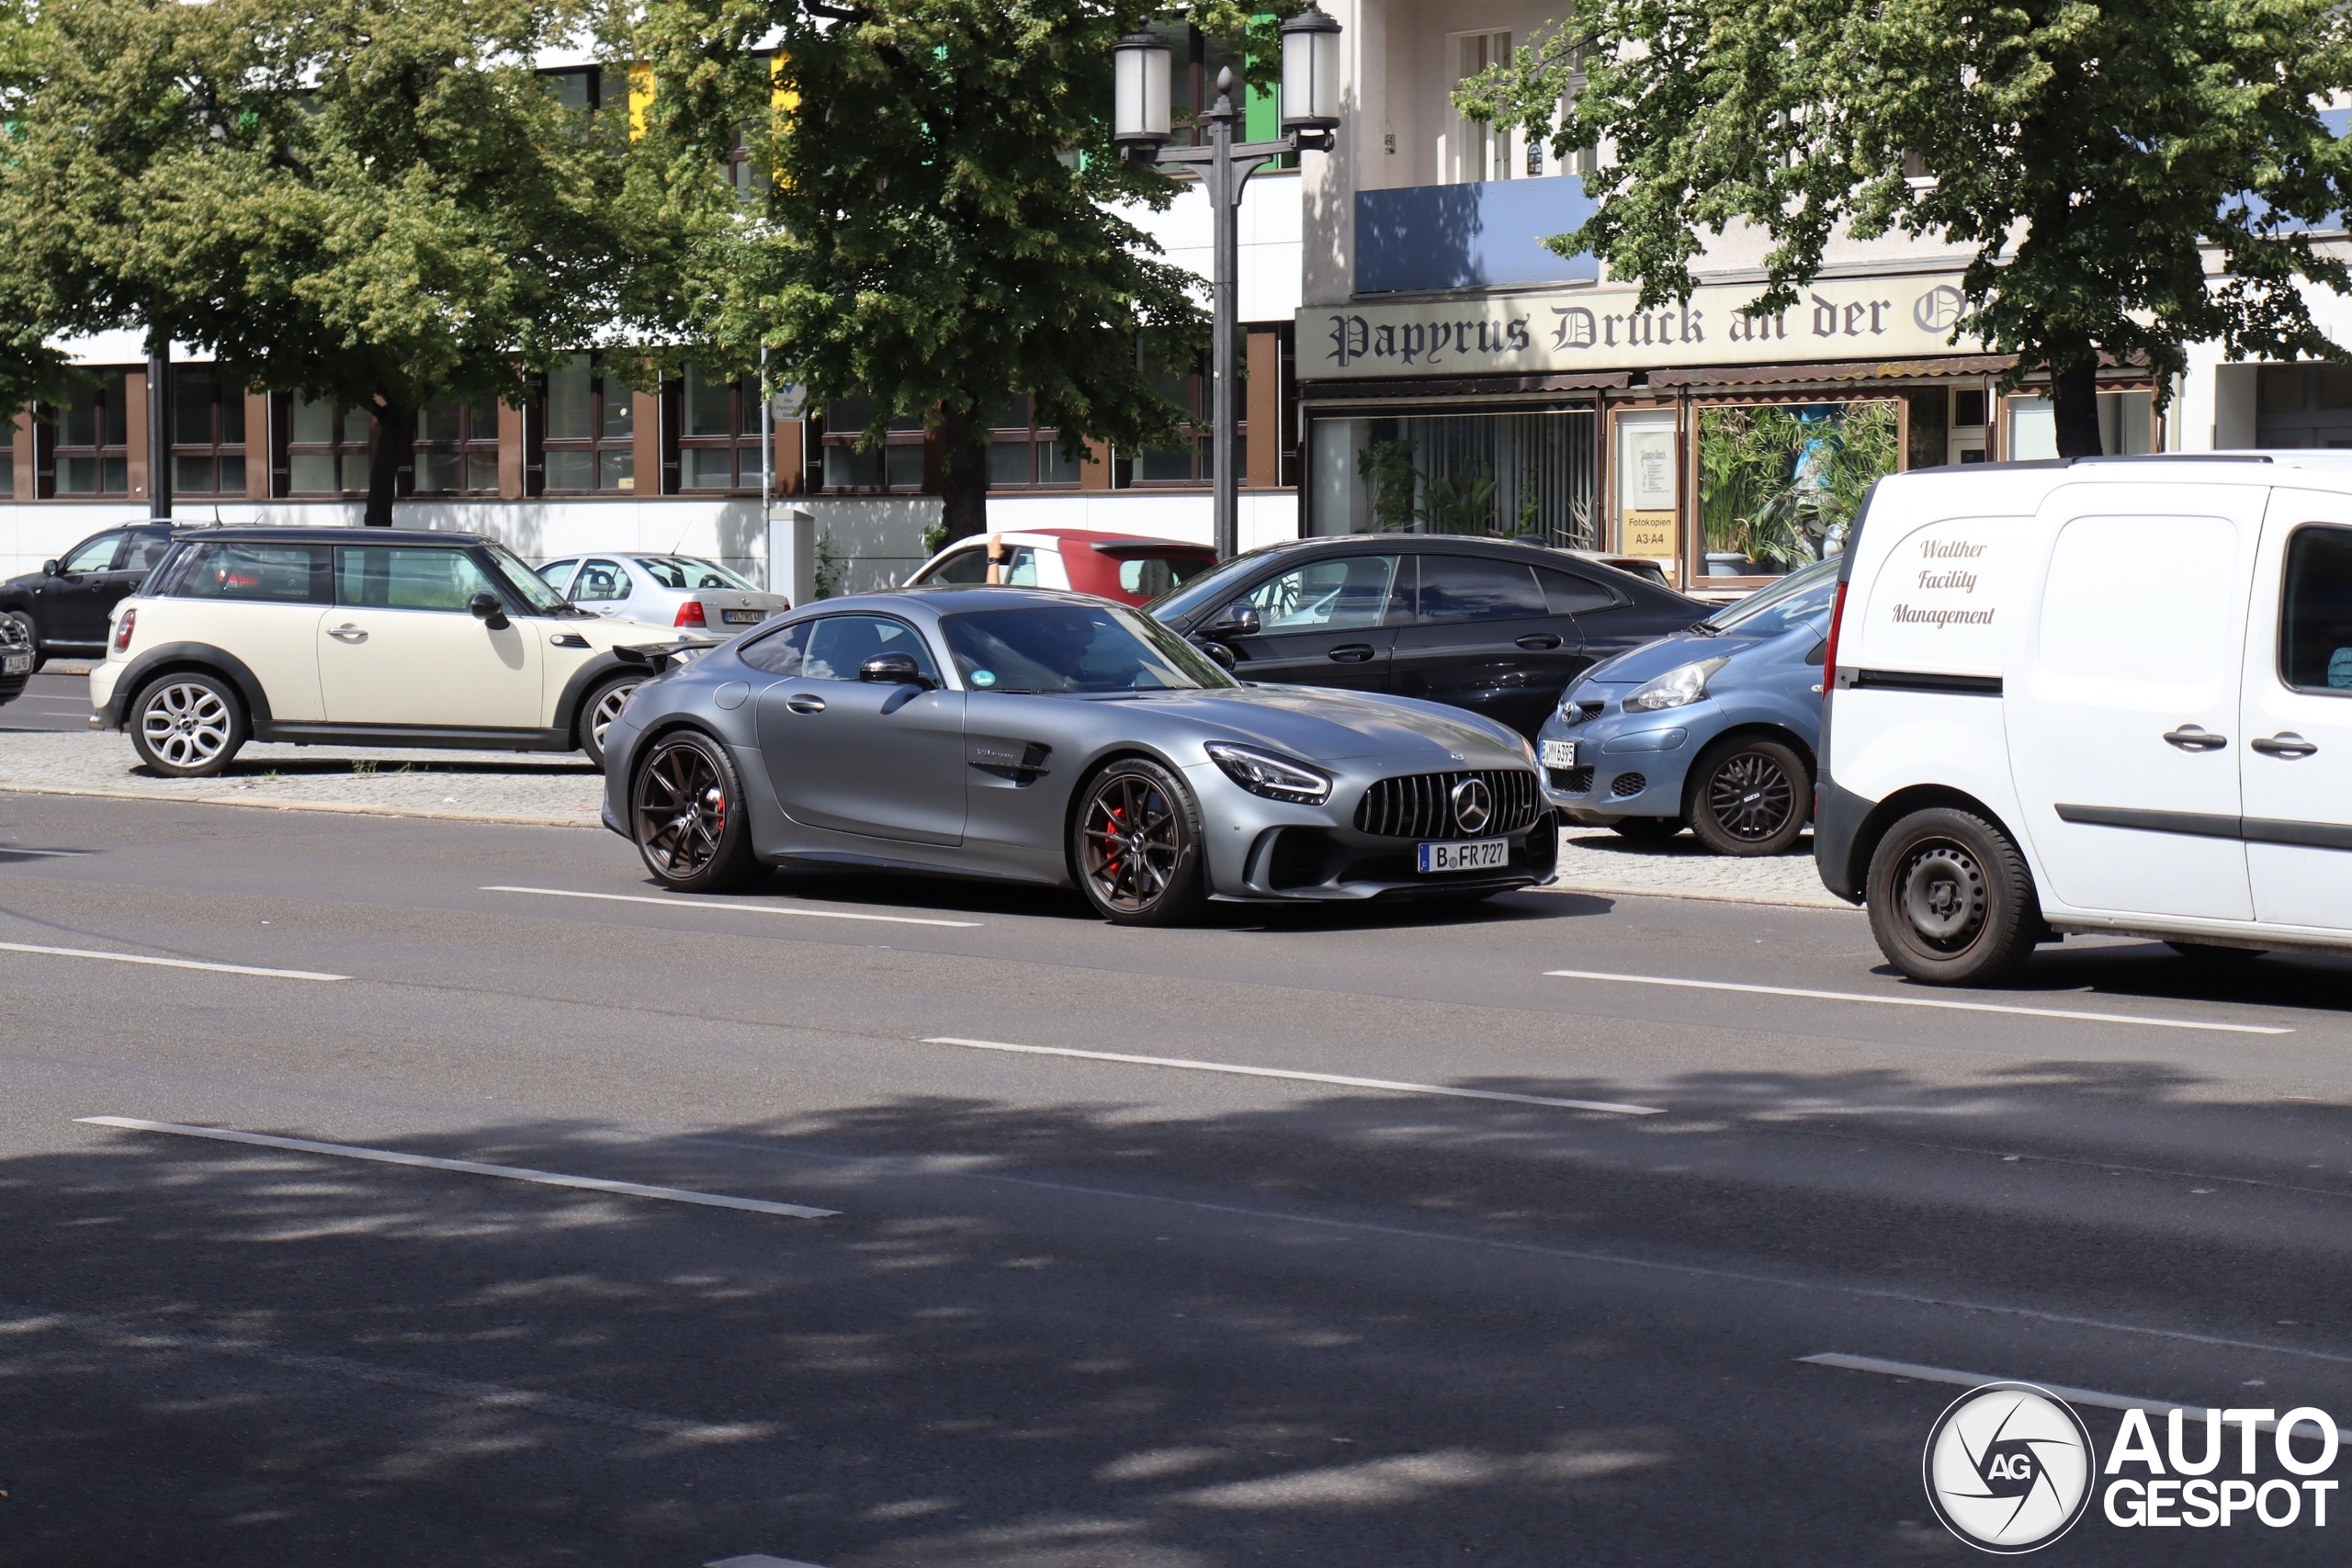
{"x":983,"y":677}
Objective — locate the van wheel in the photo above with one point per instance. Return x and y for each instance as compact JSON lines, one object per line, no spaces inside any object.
{"x":1749,"y":797}
{"x":187,"y":726}
{"x":1951,"y":900}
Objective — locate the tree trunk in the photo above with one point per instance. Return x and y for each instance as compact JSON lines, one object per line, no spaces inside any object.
{"x":2073,"y":407}
{"x":962,"y":475}
{"x":395,"y":448}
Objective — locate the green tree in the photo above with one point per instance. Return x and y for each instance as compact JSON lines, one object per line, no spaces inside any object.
{"x":2095,"y":155}
{"x":375,"y":203}
{"x":29,"y":367}
{"x":934,"y":221}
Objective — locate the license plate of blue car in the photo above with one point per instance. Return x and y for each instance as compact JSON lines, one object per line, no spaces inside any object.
{"x":1559,"y":753}
{"x":1474,"y":854}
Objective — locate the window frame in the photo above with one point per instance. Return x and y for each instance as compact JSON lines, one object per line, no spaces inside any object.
{"x":214,"y":448}
{"x":467,"y":447}
{"x":341,"y":449}
{"x":905,"y":433}
{"x":743,"y":439}
{"x":2295,"y":538}
{"x":1032,"y":435}
{"x":602,"y":389}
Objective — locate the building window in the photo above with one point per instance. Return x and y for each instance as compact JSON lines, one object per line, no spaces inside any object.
{"x":897,"y":464}
{"x":1433,"y":472}
{"x":1193,"y":460}
{"x":86,"y":440}
{"x":457,"y":448}
{"x":1021,"y":455}
{"x":2126,"y":425}
{"x":326,"y":448}
{"x":2301,"y":405}
{"x":590,"y":445}
{"x":1480,"y":151}
{"x":582,"y":88}
{"x":207,"y":433}
{"x":718,"y":433}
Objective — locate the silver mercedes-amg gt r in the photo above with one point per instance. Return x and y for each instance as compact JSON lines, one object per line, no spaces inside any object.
{"x":1040,"y":737}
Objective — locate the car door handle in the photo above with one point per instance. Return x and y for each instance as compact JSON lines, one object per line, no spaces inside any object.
{"x":2287,"y":744}
{"x":805,"y":701}
{"x":346,"y":633}
{"x":2197,"y":738}
{"x":1350,"y":652}
{"x":1539,"y":642}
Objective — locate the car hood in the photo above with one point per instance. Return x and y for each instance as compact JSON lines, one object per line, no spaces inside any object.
{"x":1652,"y":659}
{"x":1316,"y":723}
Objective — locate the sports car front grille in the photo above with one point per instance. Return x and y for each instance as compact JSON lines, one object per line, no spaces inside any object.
{"x":1420,"y":805}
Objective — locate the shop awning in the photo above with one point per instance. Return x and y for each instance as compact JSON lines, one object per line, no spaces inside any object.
{"x":1465,"y":386}
{"x":1862,"y":370}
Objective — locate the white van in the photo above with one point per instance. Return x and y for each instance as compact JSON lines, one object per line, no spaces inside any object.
{"x":2113,"y":695}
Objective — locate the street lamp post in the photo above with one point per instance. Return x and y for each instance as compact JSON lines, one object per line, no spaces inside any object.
{"x":1140,"y":124}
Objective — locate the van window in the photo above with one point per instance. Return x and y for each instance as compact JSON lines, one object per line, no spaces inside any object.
{"x":2133,"y":599}
{"x":2315,"y":617}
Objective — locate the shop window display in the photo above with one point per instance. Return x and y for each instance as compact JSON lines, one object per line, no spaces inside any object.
{"x":1493,"y":474}
{"x":1780,"y":484}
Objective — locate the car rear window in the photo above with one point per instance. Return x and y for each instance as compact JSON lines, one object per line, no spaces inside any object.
{"x":1151,"y":576}
{"x":685,"y":573}
{"x":1474,"y":588}
{"x":228,"y":568}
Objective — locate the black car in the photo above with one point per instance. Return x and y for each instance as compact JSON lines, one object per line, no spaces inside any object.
{"x":1495,"y":626}
{"x":16,"y":659}
{"x":62,"y":608}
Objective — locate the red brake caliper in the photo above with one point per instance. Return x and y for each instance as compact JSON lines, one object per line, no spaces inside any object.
{"x":1115,"y":817}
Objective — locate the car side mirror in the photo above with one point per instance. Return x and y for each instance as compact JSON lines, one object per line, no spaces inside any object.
{"x":48,"y":569}
{"x":1238,"y":619}
{"x":894,"y":669}
{"x":1217,"y":652}
{"x":488,"y":611}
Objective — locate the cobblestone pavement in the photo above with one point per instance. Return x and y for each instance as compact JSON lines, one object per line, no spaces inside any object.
{"x":562,"y":789}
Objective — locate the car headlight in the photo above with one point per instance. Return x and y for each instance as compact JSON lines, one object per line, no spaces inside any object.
{"x":1675,"y":688}
{"x":1275,"y":777}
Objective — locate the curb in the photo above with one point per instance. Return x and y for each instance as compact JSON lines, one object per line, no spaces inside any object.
{"x":348,"y":808}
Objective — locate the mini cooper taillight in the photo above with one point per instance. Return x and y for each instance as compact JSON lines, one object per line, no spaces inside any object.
{"x":122,"y":631}
{"x":690,"y":615}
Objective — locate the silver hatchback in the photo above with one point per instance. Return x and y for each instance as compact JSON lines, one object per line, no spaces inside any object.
{"x":666,"y":591}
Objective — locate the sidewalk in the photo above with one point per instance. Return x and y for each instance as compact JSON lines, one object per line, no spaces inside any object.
{"x":562,"y":790}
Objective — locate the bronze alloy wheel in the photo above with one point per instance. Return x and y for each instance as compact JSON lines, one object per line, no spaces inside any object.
{"x":1750,"y":798}
{"x":685,"y":815}
{"x":1951,"y":900}
{"x":1138,"y":845}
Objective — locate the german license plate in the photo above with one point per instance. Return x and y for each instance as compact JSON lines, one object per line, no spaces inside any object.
{"x":17,"y":664}
{"x":742,"y":617}
{"x":1559,"y":753}
{"x":1476,"y":854}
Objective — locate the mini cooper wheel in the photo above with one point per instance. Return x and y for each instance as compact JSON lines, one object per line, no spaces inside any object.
{"x":686,"y":815}
{"x":1749,"y":796}
{"x":600,"y":709}
{"x":1135,"y":845}
{"x":187,"y":726}
{"x":1951,"y":900}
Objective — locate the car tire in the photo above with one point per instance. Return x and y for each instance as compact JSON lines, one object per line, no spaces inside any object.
{"x":2214,"y":955}
{"x":687,"y":815}
{"x":1135,"y":845}
{"x":1951,"y":902}
{"x":32,"y":636}
{"x":188,"y":725}
{"x":1646,"y":829}
{"x":599,"y":709}
{"x":1749,"y":796}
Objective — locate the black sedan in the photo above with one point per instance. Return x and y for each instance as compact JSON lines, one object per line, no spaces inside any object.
{"x":1494,"y":626}
{"x":62,"y":608}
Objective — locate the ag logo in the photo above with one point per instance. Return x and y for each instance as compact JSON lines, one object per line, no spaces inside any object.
{"x":1938,"y":309}
{"x":2009,"y":1467}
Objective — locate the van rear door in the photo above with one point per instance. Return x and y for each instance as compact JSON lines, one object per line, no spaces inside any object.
{"x":2122,"y":707}
{"x":2294,"y":745}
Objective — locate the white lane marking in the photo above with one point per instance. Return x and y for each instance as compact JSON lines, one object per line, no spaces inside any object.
{"x":1913,"y":1002}
{"x":1389,"y":1084}
{"x":759,"y":1560}
{"x":169,"y":962}
{"x":470,"y":1167}
{"x":743,"y":908}
{"x":1973,"y":1380}
{"x":121,"y":1334}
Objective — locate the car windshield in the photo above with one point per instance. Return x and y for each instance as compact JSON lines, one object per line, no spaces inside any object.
{"x":1074,"y":648}
{"x":1791,"y":601}
{"x":536,"y":591}
{"x":684,"y":572}
{"x":1190,"y":596}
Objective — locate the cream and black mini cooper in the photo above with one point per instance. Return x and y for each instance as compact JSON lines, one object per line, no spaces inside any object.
{"x":358,"y":637}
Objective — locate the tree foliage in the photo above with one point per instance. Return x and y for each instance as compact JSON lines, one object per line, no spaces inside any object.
{"x":30,"y":366}
{"x":2097,"y":156}
{"x":941,"y":229}
{"x":371,"y":202}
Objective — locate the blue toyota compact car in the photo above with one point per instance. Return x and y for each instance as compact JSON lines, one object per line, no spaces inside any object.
{"x":1714,"y":728}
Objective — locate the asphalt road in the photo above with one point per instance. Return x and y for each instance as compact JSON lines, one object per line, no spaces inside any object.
{"x":1071,"y":1310}
{"x":51,"y":700}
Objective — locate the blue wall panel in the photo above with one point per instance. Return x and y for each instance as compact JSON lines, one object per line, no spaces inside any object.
{"x":1486,"y":235}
